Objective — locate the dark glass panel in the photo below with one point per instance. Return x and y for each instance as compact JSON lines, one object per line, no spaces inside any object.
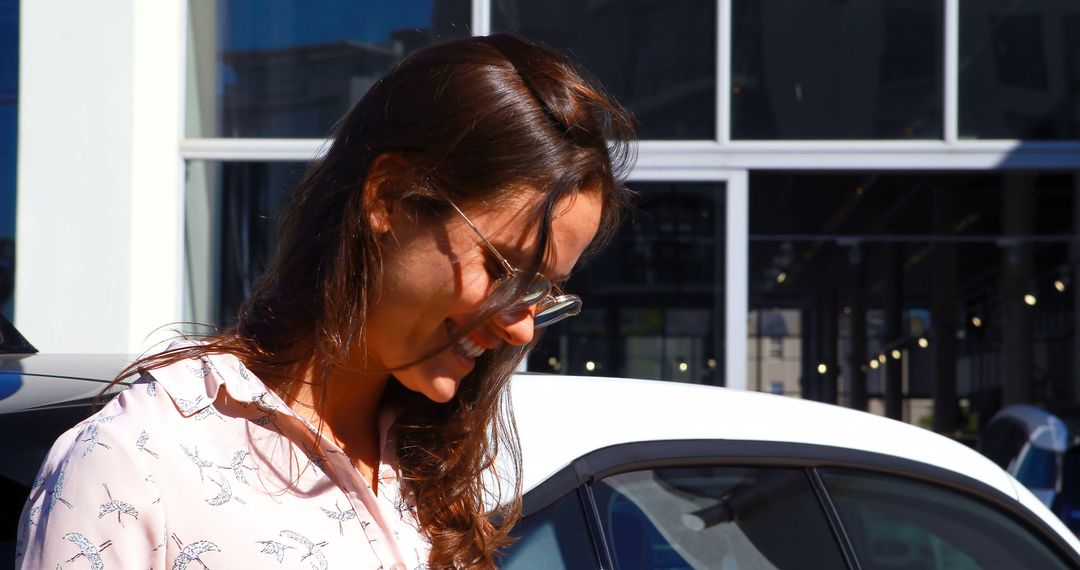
{"x":653,"y":301}
{"x":657,"y":57}
{"x":982,"y":266}
{"x":821,"y":69}
{"x":9,"y":113}
{"x":291,"y":69}
{"x":555,"y":537}
{"x":898,"y":523}
{"x":1020,"y":69}
{"x":715,"y":517}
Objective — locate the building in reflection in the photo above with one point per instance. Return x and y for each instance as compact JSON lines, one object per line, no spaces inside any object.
{"x":868,"y":203}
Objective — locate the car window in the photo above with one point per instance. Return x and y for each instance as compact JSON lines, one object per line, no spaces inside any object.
{"x":715,"y":517}
{"x":899,"y":523}
{"x":555,"y":537}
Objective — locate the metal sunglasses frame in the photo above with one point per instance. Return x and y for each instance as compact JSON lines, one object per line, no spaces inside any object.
{"x":552,"y":306}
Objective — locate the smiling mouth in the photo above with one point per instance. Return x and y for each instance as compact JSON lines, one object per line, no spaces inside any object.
{"x":468,"y":348}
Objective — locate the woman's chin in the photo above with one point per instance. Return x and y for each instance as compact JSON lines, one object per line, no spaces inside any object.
{"x":441,"y":390}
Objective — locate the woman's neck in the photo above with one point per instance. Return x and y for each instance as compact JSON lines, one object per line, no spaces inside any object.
{"x":346,"y":404}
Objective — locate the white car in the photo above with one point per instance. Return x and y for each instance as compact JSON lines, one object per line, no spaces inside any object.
{"x":628,"y":474}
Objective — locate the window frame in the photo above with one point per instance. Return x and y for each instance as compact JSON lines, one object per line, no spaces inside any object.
{"x":580,"y":474}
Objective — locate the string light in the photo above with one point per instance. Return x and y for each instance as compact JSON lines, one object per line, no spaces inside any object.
{"x":1059,"y":285}
{"x":683,"y":367}
{"x":711,"y":363}
{"x":896,"y":354}
{"x":881,"y":358}
{"x":977,"y":321}
{"x":821,"y":368}
{"x":590,"y":365}
{"x":923,"y":343}
{"x":874,"y":364}
{"x":781,"y":277}
{"x":1030,"y":299}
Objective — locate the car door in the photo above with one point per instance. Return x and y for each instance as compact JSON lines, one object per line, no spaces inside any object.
{"x":766,"y":505}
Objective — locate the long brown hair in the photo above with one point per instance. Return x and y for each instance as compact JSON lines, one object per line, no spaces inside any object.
{"x":474,"y":119}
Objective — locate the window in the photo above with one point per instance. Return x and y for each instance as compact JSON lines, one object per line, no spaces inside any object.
{"x":657,"y":58}
{"x":291,"y":68}
{"x":555,"y":537}
{"x":823,"y":69}
{"x":897,"y":523}
{"x":653,"y":300}
{"x":715,"y":517}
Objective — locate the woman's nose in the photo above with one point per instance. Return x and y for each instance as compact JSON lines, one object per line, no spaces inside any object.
{"x":515,"y":327}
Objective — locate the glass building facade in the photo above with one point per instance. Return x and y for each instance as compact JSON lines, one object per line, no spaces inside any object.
{"x":868,"y":203}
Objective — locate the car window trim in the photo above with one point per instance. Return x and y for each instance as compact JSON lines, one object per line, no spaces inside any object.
{"x":847,"y":548}
{"x":636,"y":456}
{"x":601,"y":547}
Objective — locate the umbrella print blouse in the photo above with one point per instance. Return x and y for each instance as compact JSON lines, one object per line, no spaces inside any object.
{"x":199,"y":465}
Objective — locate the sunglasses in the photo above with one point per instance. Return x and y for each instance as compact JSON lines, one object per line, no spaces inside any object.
{"x":552,"y":304}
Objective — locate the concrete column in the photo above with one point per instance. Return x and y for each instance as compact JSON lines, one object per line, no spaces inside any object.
{"x":809,"y":354}
{"x":944,"y":316}
{"x":894,"y":314}
{"x":857,"y":357}
{"x":100,"y":178}
{"x":1074,"y":286}
{"x":830,"y":335}
{"x":1017,"y":351}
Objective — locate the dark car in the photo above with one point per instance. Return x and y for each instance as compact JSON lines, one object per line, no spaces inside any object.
{"x":1040,"y":446}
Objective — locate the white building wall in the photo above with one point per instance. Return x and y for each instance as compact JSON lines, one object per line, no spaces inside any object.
{"x":99,"y":173}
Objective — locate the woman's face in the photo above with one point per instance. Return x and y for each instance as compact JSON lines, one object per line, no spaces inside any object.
{"x":436,"y":276}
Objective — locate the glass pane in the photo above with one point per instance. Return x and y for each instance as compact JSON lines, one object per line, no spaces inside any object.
{"x":896,"y":523}
{"x":821,"y":69}
{"x":1020,"y":69}
{"x":230,"y":232}
{"x":657,"y":58}
{"x":653,"y":301}
{"x":555,"y":537}
{"x":291,"y":68}
{"x":715,"y":517}
{"x":957,"y":284}
{"x":9,"y":115}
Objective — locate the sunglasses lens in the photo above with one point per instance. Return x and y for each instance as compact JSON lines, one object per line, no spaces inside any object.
{"x":561,"y":308}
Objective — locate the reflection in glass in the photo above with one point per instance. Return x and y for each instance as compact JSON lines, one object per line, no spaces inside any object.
{"x":653,"y":301}
{"x":821,"y":69}
{"x":230,"y":232}
{"x":940,"y":282}
{"x":701,"y":518}
{"x":657,"y":58}
{"x":1020,"y":69}
{"x":290,"y":69}
{"x":898,"y":523}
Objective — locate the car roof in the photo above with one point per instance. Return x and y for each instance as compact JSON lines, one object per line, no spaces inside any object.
{"x":561,"y":418}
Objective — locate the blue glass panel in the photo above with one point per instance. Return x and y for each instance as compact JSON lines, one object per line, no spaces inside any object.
{"x":292,"y":68}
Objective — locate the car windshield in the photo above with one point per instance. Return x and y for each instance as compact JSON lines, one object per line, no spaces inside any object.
{"x":1038,"y":468}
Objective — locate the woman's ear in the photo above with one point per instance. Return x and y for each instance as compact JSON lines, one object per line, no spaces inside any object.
{"x":386,"y":176}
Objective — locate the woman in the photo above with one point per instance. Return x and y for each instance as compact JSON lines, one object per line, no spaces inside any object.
{"x":353,"y":414}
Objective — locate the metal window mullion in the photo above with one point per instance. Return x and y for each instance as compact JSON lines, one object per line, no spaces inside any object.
{"x":723,"y":71}
{"x":736,"y":278}
{"x":481,"y":17}
{"x":951,"y":41}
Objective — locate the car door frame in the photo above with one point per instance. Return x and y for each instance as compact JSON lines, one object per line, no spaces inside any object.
{"x":579,"y":476}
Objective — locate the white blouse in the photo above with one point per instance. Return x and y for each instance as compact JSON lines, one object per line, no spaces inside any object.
{"x":176,"y":472}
